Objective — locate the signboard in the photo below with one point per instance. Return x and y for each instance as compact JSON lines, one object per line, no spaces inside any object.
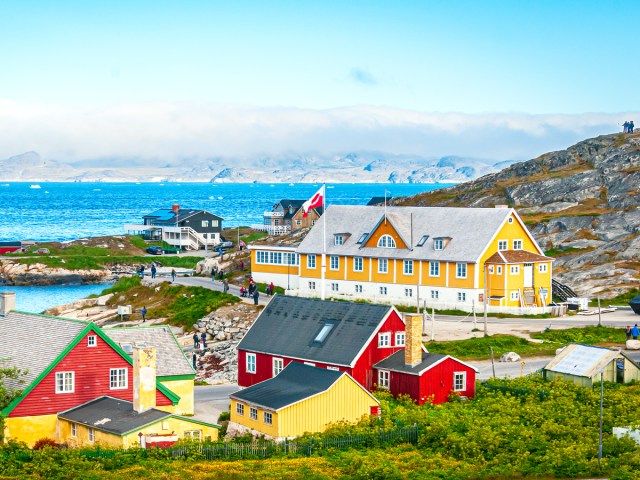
{"x":376,"y":410}
{"x":543,"y":291}
{"x":481,"y":297}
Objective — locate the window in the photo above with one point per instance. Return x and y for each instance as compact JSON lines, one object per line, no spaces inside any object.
{"x":408,"y":267}
{"x":278,"y":365}
{"x":268,"y":418}
{"x":383,"y":265}
{"x":383,"y":290}
{"x":240,"y":409}
{"x":517,"y":244}
{"x":435,"y":294}
{"x":461,"y":270}
{"x":491,"y":269}
{"x":358,"y":288}
{"x":503,"y":244}
{"x":311,"y":261}
{"x":510,"y":219}
{"x":91,"y":434}
{"x":542,"y":268}
{"x":434,"y":269}
{"x":205,"y":223}
{"x":335,"y":369}
{"x":338,"y":240}
{"x":362,"y":237}
{"x":515,"y":269}
{"x":312,"y":285}
{"x":423,"y":240}
{"x":214,"y":223}
{"x":334,"y":287}
{"x":384,"y":339}
{"x":298,"y":223}
{"x":459,"y":381}
{"x":251,"y":363}
{"x":91,"y":341}
{"x":323,"y":333}
{"x":462,"y":296}
{"x":357,"y":264}
{"x":64,"y":382}
{"x":400,"y":339}
{"x":438,"y":244}
{"x":499,"y":270}
{"x":515,"y":295}
{"x":262,"y":257}
{"x":408,"y":292}
{"x":386,"y":241}
{"x":313,"y":222}
{"x":193,"y":434}
{"x":118,"y":378}
{"x":253,"y":413}
{"x":334,"y":262}
{"x":383,"y":379}
{"x":74,"y":429}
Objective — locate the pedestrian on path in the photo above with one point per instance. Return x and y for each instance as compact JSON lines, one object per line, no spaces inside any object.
{"x":194,"y":359}
{"x":635,"y":332}
{"x":144,"y":314}
{"x":196,"y":340}
{"x":256,"y":294}
{"x":627,"y":332}
{"x":173,"y":275}
{"x":213,"y":274}
{"x":153,"y":271}
{"x":225,"y":285}
{"x":203,"y":339}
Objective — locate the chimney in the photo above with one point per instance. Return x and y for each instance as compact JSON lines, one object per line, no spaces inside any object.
{"x":413,"y":340}
{"x":144,"y":378}
{"x":7,"y":302}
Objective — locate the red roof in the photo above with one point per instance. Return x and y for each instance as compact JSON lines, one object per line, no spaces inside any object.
{"x":517,"y":256}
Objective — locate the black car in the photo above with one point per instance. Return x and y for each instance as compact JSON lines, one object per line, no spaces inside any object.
{"x":154,"y":250}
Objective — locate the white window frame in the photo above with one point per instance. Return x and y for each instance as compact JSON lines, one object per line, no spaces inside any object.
{"x":514,"y":270}
{"x":68,"y":384}
{"x":386,"y":241}
{"x":311,"y":364}
{"x":383,"y":379}
{"x":118,"y":379}
{"x":92,"y":341}
{"x":205,"y":223}
{"x":335,"y":287}
{"x":251,"y":365}
{"x":311,"y":262}
{"x":338,"y":240}
{"x":503,"y":245}
{"x":384,"y":339}
{"x":334,"y":262}
{"x":434,"y":269}
{"x":459,"y":378}
{"x":543,"y":268}
{"x":312,"y":285}
{"x":383,"y":265}
{"x":253,"y":413}
{"x":298,"y":223}
{"x":462,"y":296}
{"x":407,"y":267}
{"x":400,"y":339}
{"x":408,"y":292}
{"x":74,"y":429}
{"x":438,"y":244}
{"x":515,"y":295}
{"x":461,"y":270}
{"x":277,"y":366}
{"x":510,"y":220}
{"x":499,"y":270}
{"x":214,"y":223}
{"x":335,"y":369}
{"x":193,"y":434}
{"x":517,"y":244}
{"x":435,"y":294}
{"x":358,"y":264}
{"x":240,"y":408}
{"x":267,"y":418}
{"x":313,"y":222}
{"x":358,"y":288}
{"x":91,"y":434}
{"x":383,"y":290}
{"x":491,"y":269}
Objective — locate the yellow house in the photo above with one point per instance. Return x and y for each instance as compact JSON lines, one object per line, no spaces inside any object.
{"x":450,"y":258}
{"x":300,"y":399}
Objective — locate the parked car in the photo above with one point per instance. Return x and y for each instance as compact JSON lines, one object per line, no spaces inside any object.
{"x":43,"y":251}
{"x":171,"y":250}
{"x":154,"y":250}
{"x":224,"y":245}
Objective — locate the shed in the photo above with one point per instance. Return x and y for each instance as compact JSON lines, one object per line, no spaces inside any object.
{"x":300,"y":399}
{"x":582,"y":364}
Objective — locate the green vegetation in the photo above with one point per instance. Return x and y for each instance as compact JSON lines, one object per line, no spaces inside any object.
{"x":8,"y":393}
{"x":462,"y":313}
{"x":252,"y":237}
{"x":622,"y":299}
{"x":82,"y":262}
{"x":558,"y":252}
{"x":262,"y":288}
{"x":519,"y":428}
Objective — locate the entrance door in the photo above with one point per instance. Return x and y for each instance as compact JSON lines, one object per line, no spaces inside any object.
{"x":528,"y":275}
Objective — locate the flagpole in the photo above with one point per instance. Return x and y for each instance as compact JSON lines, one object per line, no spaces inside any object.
{"x":323,"y":268}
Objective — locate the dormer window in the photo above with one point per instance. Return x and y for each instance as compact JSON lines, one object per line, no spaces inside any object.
{"x":438,"y":244}
{"x":362,"y":237}
{"x":338,"y":240}
{"x":423,"y":240}
{"x":322,"y":334}
{"x":387,"y":241}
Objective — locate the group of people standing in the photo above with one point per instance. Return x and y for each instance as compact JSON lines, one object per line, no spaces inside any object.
{"x":251,"y":291}
{"x":628,"y":126}
{"x":632,"y":332}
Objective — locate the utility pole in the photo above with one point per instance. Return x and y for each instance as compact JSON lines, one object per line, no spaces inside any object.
{"x":599,"y":314}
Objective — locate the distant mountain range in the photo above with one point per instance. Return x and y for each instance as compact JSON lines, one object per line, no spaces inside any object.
{"x":368,"y":167}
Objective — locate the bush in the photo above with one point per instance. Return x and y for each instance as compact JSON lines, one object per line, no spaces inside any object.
{"x":44,"y":443}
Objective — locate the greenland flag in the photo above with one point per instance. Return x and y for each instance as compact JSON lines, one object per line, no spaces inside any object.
{"x":314,"y":202}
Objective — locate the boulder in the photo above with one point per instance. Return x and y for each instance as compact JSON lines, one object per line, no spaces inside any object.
{"x":633,"y":345}
{"x":510,"y":357}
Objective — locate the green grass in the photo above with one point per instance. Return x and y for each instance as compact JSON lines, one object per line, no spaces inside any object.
{"x":558,"y":252}
{"x":82,"y":262}
{"x":479,"y":313}
{"x":262,"y":288}
{"x":587,"y":335}
{"x":253,"y":237}
{"x":622,"y":299}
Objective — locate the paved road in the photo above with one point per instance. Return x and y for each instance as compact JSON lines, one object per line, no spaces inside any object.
{"x":211,"y":400}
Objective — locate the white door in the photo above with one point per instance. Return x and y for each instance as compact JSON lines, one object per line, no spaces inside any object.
{"x":528,"y":275}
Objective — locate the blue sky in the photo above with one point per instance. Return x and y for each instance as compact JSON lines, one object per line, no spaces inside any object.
{"x":400,"y":62}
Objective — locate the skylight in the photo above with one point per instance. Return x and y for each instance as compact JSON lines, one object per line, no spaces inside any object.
{"x":423,"y":240}
{"x":127,"y":348}
{"x":324,"y":331}
{"x":362,"y":237}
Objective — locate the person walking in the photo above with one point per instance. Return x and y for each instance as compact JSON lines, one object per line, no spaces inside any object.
{"x":627,"y":332}
{"x":241,"y":245}
{"x":203,"y":339}
{"x":625,"y":127}
{"x":173,"y":275}
{"x":194,"y":359}
{"x":241,"y":264}
{"x":196,"y":340}
{"x":272,"y":288}
{"x":225,"y":285}
{"x":631,"y":126}
{"x":153,"y":270}
{"x":144,"y":314}
{"x":635,"y":332}
{"x":256,"y":295}
{"x":213,"y":274}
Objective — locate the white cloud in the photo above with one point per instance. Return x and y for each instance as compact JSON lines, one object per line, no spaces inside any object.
{"x":175,"y":131}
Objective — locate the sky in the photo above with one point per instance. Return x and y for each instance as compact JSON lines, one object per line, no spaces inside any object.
{"x":184,"y":79}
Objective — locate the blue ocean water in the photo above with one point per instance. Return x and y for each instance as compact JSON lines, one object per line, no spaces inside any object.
{"x":66,"y":211}
{"x":39,"y":299}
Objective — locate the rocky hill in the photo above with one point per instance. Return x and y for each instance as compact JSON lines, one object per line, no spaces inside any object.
{"x":581,"y":204}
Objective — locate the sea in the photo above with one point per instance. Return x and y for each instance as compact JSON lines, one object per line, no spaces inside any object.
{"x":68,"y":211}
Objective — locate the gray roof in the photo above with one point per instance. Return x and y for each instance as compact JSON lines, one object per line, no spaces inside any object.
{"x":32,"y":342}
{"x":582,"y":360}
{"x":470,"y":230}
{"x":170,"y":357}
{"x":396,"y":363}
{"x":288,"y":326}
{"x":166,"y":216}
{"x":296,"y":382}
{"x":112,"y":415}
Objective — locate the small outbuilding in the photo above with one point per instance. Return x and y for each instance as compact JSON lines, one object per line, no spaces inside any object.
{"x":582,"y":364}
{"x":300,"y":399}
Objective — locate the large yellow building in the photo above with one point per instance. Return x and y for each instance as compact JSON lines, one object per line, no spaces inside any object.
{"x":448,"y":258}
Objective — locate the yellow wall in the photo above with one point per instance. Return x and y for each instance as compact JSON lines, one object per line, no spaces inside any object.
{"x":269,"y":268}
{"x":460,"y":282}
{"x":362,"y":276}
{"x":346,"y":400}
{"x":30,"y":429}
{"x":382,"y":277}
{"x":184,"y":389}
{"x":385,"y":229}
{"x":439,"y":281}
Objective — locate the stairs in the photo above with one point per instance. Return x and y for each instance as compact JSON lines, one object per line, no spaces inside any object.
{"x":561,"y":291}
{"x":529,"y":297}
